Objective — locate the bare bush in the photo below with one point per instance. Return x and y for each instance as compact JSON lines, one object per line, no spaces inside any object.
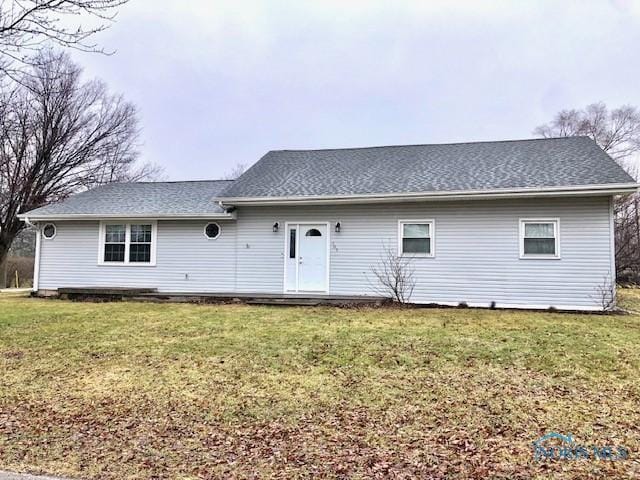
{"x":394,"y":276}
{"x":605,"y":294}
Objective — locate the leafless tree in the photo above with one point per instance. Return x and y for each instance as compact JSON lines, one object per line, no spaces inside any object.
{"x":59,"y":135}
{"x":617,"y":132}
{"x":27,"y":25}
{"x":235,"y":172}
{"x":394,"y":276}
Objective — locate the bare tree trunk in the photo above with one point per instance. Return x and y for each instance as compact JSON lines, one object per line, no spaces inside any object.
{"x":4,"y":264}
{"x":635,"y":208}
{"x":6,"y":239}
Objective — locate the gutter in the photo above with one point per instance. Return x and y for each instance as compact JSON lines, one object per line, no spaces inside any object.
{"x":120,"y":216}
{"x":586,"y":190}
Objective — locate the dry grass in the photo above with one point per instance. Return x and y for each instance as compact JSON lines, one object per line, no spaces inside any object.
{"x":127,"y":390}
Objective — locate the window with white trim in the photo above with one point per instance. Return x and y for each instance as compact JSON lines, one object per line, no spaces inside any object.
{"x":415,"y":238}
{"x":115,"y":243}
{"x":49,"y":231}
{"x":539,"y":238}
{"x":212,"y":230}
{"x":127,"y":243}
{"x":140,"y":244}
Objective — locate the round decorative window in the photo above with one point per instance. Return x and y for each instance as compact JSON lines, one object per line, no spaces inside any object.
{"x":49,"y":231}
{"x":212,"y":230}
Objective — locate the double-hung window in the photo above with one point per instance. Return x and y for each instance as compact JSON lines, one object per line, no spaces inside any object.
{"x":416,"y":238}
{"x":140,"y":244}
{"x":115,"y":242}
{"x":540,"y":238}
{"x":127,"y":243}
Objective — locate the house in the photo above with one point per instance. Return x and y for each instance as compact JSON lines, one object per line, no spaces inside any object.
{"x":514,"y":224}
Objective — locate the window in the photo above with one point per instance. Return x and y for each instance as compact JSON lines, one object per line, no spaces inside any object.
{"x":313,"y":232}
{"x":115,"y":243}
{"x":539,"y":239}
{"x":415,"y":238}
{"x":140,"y":246}
{"x":292,"y":243}
{"x":127,"y":243}
{"x":212,"y":230}
{"x":49,"y":231}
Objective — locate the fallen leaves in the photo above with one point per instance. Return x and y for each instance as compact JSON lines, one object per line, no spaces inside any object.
{"x":195,"y":392}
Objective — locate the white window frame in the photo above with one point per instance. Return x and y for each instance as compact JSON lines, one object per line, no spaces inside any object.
{"x":204,"y":231}
{"x":55,"y":230}
{"x":127,"y":242}
{"x":556,"y":234}
{"x":432,"y":237}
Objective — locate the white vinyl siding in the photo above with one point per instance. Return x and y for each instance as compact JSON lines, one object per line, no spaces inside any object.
{"x":477,"y":262}
{"x":478,"y":250}
{"x":186,"y":261}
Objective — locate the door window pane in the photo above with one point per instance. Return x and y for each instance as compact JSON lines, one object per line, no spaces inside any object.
{"x":292,"y":243}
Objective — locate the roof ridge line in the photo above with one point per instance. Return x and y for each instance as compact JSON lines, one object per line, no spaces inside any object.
{"x":433,"y":144}
{"x":168,"y":181}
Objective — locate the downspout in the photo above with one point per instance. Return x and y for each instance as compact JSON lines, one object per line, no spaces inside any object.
{"x":612,"y":246}
{"x":36,"y":262}
{"x":231,"y":209}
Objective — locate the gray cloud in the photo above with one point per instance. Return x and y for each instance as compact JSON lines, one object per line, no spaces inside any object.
{"x":222,"y":82}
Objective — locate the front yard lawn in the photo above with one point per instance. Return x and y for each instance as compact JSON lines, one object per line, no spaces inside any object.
{"x":132,"y":390}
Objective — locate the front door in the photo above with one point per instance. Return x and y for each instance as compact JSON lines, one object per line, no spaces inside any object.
{"x":307,"y":257}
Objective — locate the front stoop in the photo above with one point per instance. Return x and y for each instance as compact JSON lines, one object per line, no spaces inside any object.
{"x":152,"y":295}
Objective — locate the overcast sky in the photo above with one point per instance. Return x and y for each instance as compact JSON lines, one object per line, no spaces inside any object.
{"x":219,"y":83}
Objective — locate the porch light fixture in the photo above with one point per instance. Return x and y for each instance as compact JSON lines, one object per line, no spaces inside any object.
{"x":337,"y":227}
{"x":276,"y":226}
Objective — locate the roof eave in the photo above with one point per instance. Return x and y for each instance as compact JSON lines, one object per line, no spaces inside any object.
{"x":586,"y":190}
{"x":35,"y":217}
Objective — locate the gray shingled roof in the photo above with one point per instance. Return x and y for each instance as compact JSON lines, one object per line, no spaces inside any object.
{"x":145,"y":198}
{"x":516,"y":164}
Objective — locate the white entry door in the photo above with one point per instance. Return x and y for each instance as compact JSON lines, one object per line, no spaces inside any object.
{"x":307,"y":257}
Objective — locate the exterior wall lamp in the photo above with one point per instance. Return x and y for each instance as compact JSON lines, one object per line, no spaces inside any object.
{"x":338,"y":227}
{"x":276,"y":226}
